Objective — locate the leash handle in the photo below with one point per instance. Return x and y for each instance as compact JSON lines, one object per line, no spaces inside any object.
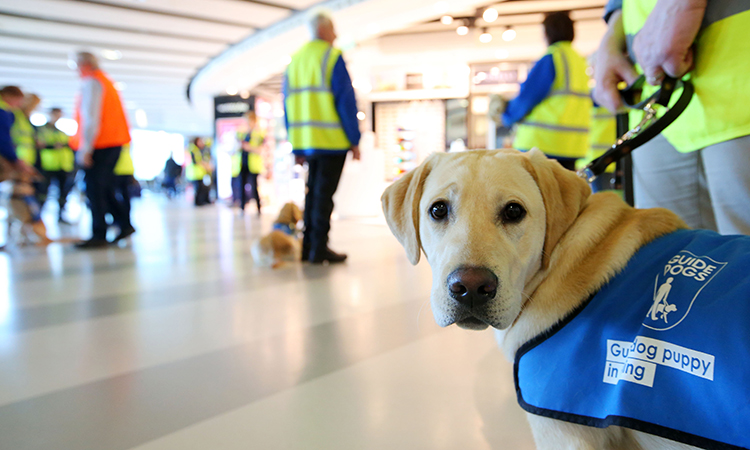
{"x":649,"y":127}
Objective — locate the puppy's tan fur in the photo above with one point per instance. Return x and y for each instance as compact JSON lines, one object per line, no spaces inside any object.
{"x":568,"y":245}
{"x":276,"y":247}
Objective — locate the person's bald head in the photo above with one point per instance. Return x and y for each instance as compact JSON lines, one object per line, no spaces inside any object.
{"x":321,"y":26}
{"x":87,"y":60}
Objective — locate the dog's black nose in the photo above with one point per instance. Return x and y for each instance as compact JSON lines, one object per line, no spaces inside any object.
{"x":472,"y":286}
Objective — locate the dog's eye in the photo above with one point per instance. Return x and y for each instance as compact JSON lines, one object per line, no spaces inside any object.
{"x":513,"y":212}
{"x":439,"y":210}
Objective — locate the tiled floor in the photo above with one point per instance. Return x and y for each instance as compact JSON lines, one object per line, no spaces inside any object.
{"x":177,"y":341}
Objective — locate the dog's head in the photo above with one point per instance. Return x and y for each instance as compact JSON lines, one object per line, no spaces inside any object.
{"x":290,"y":213}
{"x":487,"y":222}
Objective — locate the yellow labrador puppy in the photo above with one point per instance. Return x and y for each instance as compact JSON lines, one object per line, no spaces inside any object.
{"x":282,"y":243}
{"x":518,"y":243}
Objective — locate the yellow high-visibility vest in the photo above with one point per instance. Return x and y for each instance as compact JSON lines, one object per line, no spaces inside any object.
{"x":254,"y":160}
{"x":718,"y":111}
{"x":194,"y":171}
{"x":22,"y":133}
{"x":124,"y":164}
{"x":559,"y":125}
{"x":54,"y":158}
{"x":311,"y":111}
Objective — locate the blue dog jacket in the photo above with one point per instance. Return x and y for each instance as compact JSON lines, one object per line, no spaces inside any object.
{"x":662,"y":348}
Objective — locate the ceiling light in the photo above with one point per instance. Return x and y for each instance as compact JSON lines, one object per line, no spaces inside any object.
{"x":490,"y":15}
{"x":287,"y":60}
{"x":245,"y":94}
{"x":112,"y":55}
{"x":463,"y":30}
{"x":120,"y":86}
{"x":232,"y":90}
{"x":485,"y":37}
{"x":361,"y":115}
{"x":509,"y":34}
{"x":502,"y":53}
{"x":446,"y":20}
{"x":38,"y":119}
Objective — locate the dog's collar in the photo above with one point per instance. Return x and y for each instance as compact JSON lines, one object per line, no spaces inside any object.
{"x":286,"y":228}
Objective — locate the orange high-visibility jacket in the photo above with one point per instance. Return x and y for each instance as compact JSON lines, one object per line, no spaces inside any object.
{"x":113,"y":125}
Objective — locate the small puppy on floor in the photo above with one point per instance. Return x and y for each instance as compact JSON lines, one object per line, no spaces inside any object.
{"x":281,"y":244}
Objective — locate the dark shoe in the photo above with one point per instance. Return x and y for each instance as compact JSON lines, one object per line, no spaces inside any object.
{"x":305,"y":254}
{"x":327,"y":255}
{"x":123,"y":234}
{"x":92,"y":243}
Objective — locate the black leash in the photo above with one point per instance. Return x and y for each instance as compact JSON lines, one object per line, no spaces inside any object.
{"x":650,"y":126}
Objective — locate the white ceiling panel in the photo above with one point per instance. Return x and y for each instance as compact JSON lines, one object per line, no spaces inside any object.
{"x":114,"y":19}
{"x":25,"y":46}
{"x":241,"y":12}
{"x":296,"y":4}
{"x":16,"y":26}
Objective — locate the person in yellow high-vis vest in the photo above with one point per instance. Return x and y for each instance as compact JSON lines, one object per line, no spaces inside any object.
{"x":25,"y":138}
{"x":699,"y":167}
{"x":198,"y":170}
{"x":23,"y":132}
{"x":322,"y":125}
{"x":552,"y":109}
{"x":57,"y":159}
{"x":247,"y":162}
{"x":11,"y":98}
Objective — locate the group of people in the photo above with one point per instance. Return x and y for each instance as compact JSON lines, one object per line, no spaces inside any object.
{"x":37,"y":157}
{"x":247,"y":165}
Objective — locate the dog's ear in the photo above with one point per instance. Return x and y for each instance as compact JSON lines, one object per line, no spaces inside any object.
{"x":401,"y":207}
{"x":564,"y":194}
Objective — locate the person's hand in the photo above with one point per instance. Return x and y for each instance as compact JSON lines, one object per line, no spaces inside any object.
{"x":85,"y":159}
{"x":497,"y":108}
{"x":664,"y":44}
{"x":355,"y":152}
{"x":612,"y":66}
{"x":299,"y":159}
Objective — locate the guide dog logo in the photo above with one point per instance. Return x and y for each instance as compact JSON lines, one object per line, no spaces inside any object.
{"x":677,"y":287}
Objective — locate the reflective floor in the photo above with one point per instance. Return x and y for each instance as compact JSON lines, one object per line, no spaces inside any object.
{"x":176,"y":341}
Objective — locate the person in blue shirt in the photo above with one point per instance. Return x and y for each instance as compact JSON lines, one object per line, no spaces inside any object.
{"x":321,"y":120}
{"x":553,"y":107}
{"x":11,"y":98}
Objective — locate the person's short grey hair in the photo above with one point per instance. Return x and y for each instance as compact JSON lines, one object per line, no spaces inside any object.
{"x":318,"y":17}
{"x":88,"y":59}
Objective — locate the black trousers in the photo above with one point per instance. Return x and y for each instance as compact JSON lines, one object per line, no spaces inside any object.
{"x":100,"y":190}
{"x":122,"y":192}
{"x":202,"y":193}
{"x":64,"y":181}
{"x":324,"y":173}
{"x":245,"y":178}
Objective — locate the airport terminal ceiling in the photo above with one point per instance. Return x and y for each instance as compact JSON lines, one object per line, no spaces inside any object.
{"x":158,"y":49}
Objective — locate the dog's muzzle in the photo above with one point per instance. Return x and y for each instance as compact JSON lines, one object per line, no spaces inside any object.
{"x":472,"y":287}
